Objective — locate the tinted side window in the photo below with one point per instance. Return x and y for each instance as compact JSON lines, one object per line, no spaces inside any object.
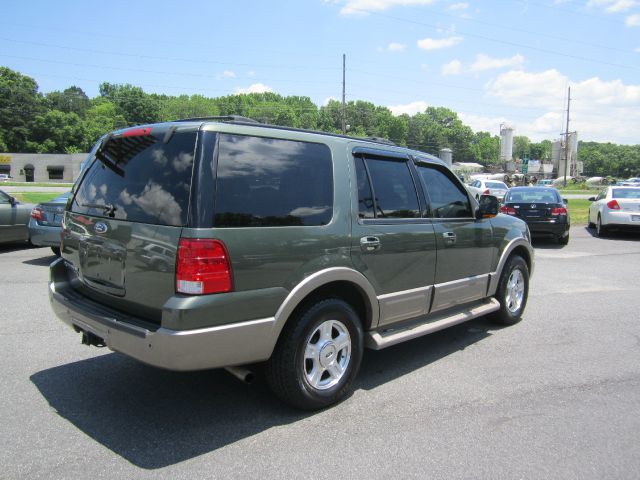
{"x":149,"y":181}
{"x":365,"y":196}
{"x":270,"y":182}
{"x":393,"y":190}
{"x":447,"y":199}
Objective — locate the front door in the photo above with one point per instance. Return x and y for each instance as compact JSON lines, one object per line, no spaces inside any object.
{"x":465,"y":245}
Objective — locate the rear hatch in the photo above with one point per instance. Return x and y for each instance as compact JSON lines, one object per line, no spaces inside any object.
{"x":534,"y":211}
{"x":123,"y":225}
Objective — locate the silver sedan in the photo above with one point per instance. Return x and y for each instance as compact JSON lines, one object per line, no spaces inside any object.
{"x":14,"y":217}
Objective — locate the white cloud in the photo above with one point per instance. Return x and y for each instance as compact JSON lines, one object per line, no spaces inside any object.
{"x":363,"y":7}
{"x":614,"y":6}
{"x":228,"y":74}
{"x":484,"y":62}
{"x":632,"y":20}
{"x":436,"y":44}
{"x":454,"y":67}
{"x":255,"y":88}
{"x":605,"y":111}
{"x":638,"y":50}
{"x":394,"y":47}
{"x":459,"y":6}
{"x":410,"y":108}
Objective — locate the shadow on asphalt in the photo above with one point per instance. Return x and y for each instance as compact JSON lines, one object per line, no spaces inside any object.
{"x":42,"y":261}
{"x":155,"y":418}
{"x":622,"y":235}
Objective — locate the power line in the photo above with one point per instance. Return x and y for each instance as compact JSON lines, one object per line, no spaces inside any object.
{"x":495,"y":40}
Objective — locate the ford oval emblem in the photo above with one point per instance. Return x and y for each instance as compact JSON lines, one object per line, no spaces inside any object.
{"x":100,"y":228}
{"x":533,"y":205}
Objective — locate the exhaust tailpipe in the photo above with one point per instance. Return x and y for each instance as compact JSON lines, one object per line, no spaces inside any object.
{"x":242,"y":374}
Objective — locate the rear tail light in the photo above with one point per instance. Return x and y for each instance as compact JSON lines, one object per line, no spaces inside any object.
{"x":559,"y":211}
{"x":203,"y":267}
{"x":613,"y":205}
{"x":508,"y":210}
{"x":486,"y":192}
{"x":38,"y":214}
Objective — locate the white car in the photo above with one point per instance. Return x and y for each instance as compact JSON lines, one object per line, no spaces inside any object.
{"x":488,"y":187}
{"x":615,"y":207}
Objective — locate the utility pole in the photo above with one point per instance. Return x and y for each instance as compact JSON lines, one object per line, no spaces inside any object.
{"x":566,"y":139}
{"x":344,"y":112}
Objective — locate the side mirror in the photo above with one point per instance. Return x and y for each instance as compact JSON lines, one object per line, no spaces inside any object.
{"x":12,"y":200}
{"x":488,"y":207}
{"x":592,"y":199}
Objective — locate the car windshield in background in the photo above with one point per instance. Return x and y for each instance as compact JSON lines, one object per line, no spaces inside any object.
{"x":532,"y":195}
{"x":626,"y":193}
{"x":496,"y":185}
{"x":141,"y":179}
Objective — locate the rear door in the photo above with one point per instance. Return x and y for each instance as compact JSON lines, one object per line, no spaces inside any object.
{"x":392,"y":244}
{"x":134,"y":198}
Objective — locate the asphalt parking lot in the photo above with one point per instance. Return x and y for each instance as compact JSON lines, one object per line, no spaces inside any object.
{"x":556,"y":396}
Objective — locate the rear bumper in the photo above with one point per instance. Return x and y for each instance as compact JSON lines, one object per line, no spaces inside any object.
{"x":621,"y":219}
{"x":204,"y":348}
{"x":44,"y":236}
{"x":549,"y":228}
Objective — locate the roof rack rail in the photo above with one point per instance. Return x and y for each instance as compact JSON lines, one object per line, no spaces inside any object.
{"x":221,"y":118}
{"x":381,"y":140}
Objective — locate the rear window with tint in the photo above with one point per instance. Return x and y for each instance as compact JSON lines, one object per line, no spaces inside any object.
{"x":496,"y":185}
{"x":530,"y":195}
{"x":268,"y":182}
{"x":140,"y":179}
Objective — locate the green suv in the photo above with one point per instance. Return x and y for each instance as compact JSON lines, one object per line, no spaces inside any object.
{"x":221,"y":242}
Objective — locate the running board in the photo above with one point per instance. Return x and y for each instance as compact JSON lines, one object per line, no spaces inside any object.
{"x":377,"y":340}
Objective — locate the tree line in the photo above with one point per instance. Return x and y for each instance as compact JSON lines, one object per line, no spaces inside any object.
{"x":69,"y":121}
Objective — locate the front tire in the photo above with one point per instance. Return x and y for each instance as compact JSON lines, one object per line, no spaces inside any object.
{"x":513,"y":290}
{"x":317,"y":356}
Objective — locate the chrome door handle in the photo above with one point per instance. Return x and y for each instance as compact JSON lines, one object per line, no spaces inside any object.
{"x":369,"y":244}
{"x":449,"y":238}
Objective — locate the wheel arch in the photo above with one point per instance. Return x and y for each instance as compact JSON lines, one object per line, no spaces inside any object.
{"x":520,"y":247}
{"x":339,"y":282}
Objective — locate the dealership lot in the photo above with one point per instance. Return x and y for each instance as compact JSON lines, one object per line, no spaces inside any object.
{"x":555,"y":396}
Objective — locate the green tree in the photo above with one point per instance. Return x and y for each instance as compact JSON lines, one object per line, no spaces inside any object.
{"x":56,"y":132}
{"x":132,"y":103}
{"x":101,"y":118}
{"x":20,"y":103}
{"x":71,"y":100}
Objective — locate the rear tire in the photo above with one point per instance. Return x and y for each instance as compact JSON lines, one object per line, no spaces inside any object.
{"x":601,"y":230}
{"x":564,"y":240}
{"x":317,"y":356}
{"x":512,"y":293}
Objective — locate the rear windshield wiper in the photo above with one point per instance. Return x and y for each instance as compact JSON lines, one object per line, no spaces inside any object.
{"x":108,"y":209}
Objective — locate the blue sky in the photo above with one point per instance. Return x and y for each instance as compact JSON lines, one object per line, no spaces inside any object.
{"x":490,"y":61}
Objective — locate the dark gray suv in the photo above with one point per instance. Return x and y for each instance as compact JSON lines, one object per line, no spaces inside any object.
{"x":294,"y":248}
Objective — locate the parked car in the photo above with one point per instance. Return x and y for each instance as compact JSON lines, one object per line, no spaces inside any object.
{"x":289,"y":247}
{"x":45,"y":224}
{"x":616,"y":207}
{"x":4,"y":177}
{"x":544,"y":210}
{"x":488,"y":187}
{"x":14,"y":217}
{"x":631,"y":182}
